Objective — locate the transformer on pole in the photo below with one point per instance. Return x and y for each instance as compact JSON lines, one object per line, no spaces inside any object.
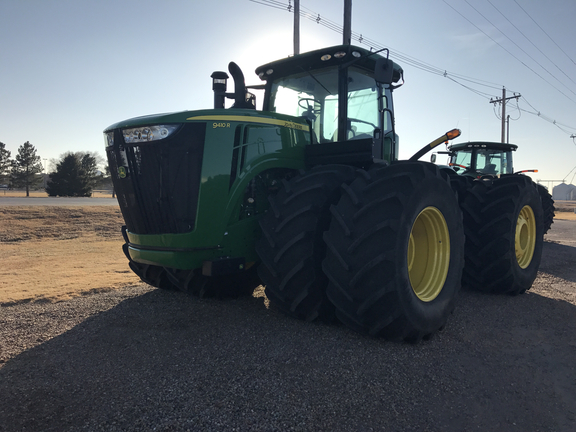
{"x":503,"y":101}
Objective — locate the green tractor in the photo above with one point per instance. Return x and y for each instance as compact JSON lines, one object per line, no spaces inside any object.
{"x":306,"y":197}
{"x":491,"y":160}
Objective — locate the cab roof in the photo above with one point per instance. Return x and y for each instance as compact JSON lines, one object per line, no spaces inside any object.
{"x":322,"y":58}
{"x":484,"y":145}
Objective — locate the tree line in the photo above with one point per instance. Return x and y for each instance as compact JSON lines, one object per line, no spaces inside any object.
{"x":75,"y":174}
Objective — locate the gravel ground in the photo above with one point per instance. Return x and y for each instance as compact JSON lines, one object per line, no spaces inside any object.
{"x":143,"y":359}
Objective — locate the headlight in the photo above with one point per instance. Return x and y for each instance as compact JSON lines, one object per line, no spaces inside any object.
{"x":148,"y":133}
{"x":109,"y":139}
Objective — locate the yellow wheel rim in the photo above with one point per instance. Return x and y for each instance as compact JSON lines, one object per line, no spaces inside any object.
{"x":525,"y":240}
{"x":428,"y":254}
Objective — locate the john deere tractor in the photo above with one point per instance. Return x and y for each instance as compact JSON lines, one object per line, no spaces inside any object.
{"x":491,"y":160}
{"x":307,"y":197}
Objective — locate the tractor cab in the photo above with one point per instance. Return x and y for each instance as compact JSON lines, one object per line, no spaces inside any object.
{"x":344,"y":93}
{"x":478,"y":159}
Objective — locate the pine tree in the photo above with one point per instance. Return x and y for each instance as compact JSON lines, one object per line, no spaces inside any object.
{"x":26,"y":168}
{"x":76,"y":175}
{"x":5,"y":163}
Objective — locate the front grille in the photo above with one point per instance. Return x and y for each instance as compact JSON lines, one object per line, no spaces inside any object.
{"x":160,"y":181}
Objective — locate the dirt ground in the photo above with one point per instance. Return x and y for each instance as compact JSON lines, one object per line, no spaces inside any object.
{"x":54,"y":253}
{"x":141,"y":359}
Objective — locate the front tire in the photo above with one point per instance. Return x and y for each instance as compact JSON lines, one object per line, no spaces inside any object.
{"x":291,"y":247}
{"x":395,"y":252}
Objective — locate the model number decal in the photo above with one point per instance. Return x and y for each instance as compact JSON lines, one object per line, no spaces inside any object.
{"x":297,"y":126}
{"x":220,"y":125}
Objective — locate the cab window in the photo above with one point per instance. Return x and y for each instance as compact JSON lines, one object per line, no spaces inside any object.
{"x":314,"y":96}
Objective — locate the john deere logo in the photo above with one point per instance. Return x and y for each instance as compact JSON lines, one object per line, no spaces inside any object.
{"x":122,"y":172}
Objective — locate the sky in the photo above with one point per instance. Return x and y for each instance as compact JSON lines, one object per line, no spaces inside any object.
{"x":71,"y":68}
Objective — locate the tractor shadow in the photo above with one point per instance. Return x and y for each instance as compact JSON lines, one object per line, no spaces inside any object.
{"x":559,"y":260}
{"x":168,"y":361}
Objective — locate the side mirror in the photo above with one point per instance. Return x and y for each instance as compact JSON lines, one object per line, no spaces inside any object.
{"x":433,"y":158}
{"x":384,"y":71}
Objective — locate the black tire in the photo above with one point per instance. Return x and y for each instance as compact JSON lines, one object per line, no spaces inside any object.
{"x":150,"y":274}
{"x":369,"y":243}
{"x":493,"y":210}
{"x":221,"y":287}
{"x":291,"y":246}
{"x":461,"y":185}
{"x":548,"y":209}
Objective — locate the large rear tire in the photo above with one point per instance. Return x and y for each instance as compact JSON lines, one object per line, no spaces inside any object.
{"x":504,"y":235}
{"x":291,"y":247}
{"x":395,"y":251}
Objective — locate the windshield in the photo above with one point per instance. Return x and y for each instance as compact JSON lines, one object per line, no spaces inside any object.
{"x":493,"y":162}
{"x":314,"y":96}
{"x":461,"y":160}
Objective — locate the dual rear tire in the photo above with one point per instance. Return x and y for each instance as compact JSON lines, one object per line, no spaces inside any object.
{"x":395,"y":252}
{"x":381,"y":250}
{"x":504,"y":226}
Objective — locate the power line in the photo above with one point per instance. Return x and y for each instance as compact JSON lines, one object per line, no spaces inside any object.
{"x":544,"y":31}
{"x":518,"y":46}
{"x":533,"y":44}
{"x":505,"y":49}
{"x":418,"y":64}
{"x":563,"y":127}
{"x":405,"y":58}
{"x":272,"y":4}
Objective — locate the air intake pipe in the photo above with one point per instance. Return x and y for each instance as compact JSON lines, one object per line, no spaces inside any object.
{"x":242,"y":99}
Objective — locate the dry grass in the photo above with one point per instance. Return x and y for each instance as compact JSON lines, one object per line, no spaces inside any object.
{"x":42,"y":194}
{"x":565,"y":216}
{"x":54,"y":253}
{"x":565,"y":210}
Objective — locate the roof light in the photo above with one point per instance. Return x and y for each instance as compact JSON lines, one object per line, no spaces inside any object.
{"x":269,"y":71}
{"x":326,"y":57}
{"x":356,"y":54}
{"x":339,"y":54}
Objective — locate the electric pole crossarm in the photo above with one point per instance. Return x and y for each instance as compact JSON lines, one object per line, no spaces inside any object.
{"x":503,"y":100}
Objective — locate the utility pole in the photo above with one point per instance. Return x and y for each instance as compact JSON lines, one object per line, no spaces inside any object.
{"x":347,"y":31}
{"x":504,"y":100}
{"x":296,"y":27}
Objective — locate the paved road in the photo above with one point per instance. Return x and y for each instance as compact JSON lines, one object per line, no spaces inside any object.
{"x":52,"y":201}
